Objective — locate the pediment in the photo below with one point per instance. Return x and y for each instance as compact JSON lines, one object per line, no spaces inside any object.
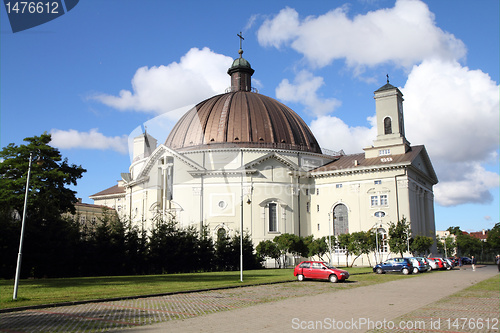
{"x":274,"y":156}
{"x":423,"y":164}
{"x":159,"y":152}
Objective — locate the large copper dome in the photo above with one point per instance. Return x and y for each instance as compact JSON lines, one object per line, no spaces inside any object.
{"x":241,"y":118}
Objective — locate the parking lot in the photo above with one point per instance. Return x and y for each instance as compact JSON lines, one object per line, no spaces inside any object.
{"x":423,"y":300}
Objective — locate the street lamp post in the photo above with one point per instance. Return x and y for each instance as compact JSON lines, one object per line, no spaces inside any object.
{"x":377,"y":254}
{"x":20,"y":254}
{"x":330,"y":237}
{"x":445,"y":251}
{"x":407,"y":241}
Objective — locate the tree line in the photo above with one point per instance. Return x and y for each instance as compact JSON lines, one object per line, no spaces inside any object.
{"x":353,"y":245}
{"x":62,"y":248}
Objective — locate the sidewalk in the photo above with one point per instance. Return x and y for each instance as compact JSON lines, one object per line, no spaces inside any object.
{"x":283,"y":307}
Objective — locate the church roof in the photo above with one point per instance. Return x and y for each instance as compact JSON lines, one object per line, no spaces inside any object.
{"x":242,"y":118}
{"x":113,"y":190}
{"x":351,"y":163}
{"x":386,"y":86}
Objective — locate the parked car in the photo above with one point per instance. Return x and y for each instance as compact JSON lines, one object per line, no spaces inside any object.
{"x":433,"y":265}
{"x":419,"y":265}
{"x":449,"y":263}
{"x":319,"y":270}
{"x":466,"y":261}
{"x":440,"y":263}
{"x":426,"y":262}
{"x":402,"y":265}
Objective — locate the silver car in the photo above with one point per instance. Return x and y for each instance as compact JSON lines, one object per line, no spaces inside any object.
{"x":432,"y":264}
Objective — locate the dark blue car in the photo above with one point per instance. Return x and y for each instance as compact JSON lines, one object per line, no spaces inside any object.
{"x":402,"y":265}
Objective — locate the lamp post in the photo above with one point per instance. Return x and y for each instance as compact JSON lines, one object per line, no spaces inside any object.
{"x":20,"y":254}
{"x":445,"y":251}
{"x":330,"y":237}
{"x":376,"y":226}
{"x":407,"y":241}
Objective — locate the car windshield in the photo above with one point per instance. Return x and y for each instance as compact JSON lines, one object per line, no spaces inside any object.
{"x":328,"y":265}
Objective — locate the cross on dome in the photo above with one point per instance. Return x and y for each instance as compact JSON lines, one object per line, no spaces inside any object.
{"x":240,"y":51}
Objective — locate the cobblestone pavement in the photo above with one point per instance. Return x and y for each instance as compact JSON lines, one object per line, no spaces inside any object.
{"x":275,"y":307}
{"x":465,"y":311}
{"x":106,"y":316}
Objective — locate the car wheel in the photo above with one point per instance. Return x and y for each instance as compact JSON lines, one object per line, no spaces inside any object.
{"x":333,"y":278}
{"x":415,"y":270}
{"x":406,"y":271}
{"x":300,"y":277}
{"x":379,"y":270}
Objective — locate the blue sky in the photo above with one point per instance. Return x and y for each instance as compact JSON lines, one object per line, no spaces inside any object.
{"x":94,"y":75}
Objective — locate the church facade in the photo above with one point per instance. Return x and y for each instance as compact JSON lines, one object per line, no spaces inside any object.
{"x":242,"y":160}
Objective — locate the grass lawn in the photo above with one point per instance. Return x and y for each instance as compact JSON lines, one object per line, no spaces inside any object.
{"x":51,"y":291}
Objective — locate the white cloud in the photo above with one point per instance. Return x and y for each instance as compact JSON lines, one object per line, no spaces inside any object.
{"x":304,"y":89}
{"x":453,"y":110}
{"x":199,"y":74}
{"x":88,"y":140}
{"x":332,"y":133}
{"x":403,"y":35}
{"x":472,"y":186}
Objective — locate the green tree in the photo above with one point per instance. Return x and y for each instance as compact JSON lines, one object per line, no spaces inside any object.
{"x":399,"y":236}
{"x":319,"y":247}
{"x":420,"y":245}
{"x":51,"y":175}
{"x":225,"y":258}
{"x":454,"y":231}
{"x":205,"y":251}
{"x":49,"y":239}
{"x":446,"y":246}
{"x":250,"y":258}
{"x":344,"y":241}
{"x":136,"y":249}
{"x":468,"y":245}
{"x":268,"y":248}
{"x":358,"y":244}
{"x":290,"y":243}
{"x":494,"y":238}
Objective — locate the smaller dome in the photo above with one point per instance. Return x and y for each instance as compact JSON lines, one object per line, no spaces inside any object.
{"x":241,"y":62}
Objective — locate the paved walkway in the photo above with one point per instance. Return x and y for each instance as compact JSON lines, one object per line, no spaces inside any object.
{"x":286,"y":307}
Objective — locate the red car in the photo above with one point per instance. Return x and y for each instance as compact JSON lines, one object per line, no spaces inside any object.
{"x":319,"y":270}
{"x":439,"y":261}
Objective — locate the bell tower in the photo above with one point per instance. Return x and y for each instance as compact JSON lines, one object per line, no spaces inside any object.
{"x":391,"y":138}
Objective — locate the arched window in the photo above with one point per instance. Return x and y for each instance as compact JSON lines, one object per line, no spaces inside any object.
{"x":340,"y":220}
{"x":382,"y":241}
{"x":273,"y":217}
{"x":387,"y":125}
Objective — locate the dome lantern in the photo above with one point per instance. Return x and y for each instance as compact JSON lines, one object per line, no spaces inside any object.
{"x":241,"y":72}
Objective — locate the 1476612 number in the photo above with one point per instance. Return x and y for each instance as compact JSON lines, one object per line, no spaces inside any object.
{"x":32,"y":7}
{"x":473,"y":323}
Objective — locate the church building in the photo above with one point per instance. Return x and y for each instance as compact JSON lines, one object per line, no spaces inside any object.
{"x":244,"y":160}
